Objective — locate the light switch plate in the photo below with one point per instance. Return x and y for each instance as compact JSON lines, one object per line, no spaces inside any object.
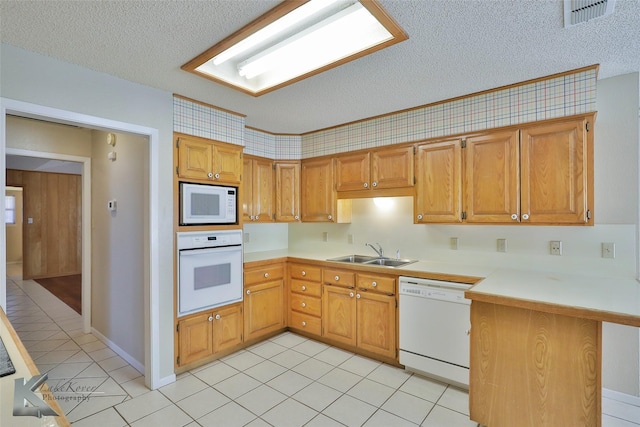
{"x":608,"y":250}
{"x":502,"y":245}
{"x":454,"y":243}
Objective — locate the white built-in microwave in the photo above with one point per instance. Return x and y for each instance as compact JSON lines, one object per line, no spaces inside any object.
{"x":202,"y":204}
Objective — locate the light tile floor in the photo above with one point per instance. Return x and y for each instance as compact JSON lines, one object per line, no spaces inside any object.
{"x":285,"y":381}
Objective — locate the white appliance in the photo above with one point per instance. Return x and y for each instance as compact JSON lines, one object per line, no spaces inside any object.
{"x":202,"y":204}
{"x":209,"y":269}
{"x":434,"y":329}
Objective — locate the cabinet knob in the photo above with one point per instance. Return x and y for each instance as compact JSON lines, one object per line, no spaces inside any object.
{"x":358,"y":296}
{"x":304,"y":323}
{"x":252,"y":217}
{"x":217,"y":176}
{"x":266,"y":275}
{"x":514,"y":217}
{"x":374,"y":184}
{"x":330,"y":217}
{"x":351,"y":294}
{"x":304,"y":304}
{"x":366,"y":185}
{"x":257,"y":217}
{"x":297,"y":217}
{"x":525,"y":217}
{"x":304,"y":288}
{"x":210,"y":319}
{"x":374,"y":284}
{"x":217,"y":317}
{"x":210,"y":175}
{"x":304,"y":273}
{"x":420,"y":216}
{"x":248,"y":291}
{"x":337,"y":278}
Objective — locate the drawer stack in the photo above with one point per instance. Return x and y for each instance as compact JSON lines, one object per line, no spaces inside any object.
{"x":305,"y":298}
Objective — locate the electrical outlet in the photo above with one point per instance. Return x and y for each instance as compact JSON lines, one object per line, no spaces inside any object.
{"x":502,"y":245}
{"x":454,"y":243}
{"x":325,"y":236}
{"x":608,"y":250}
{"x":556,"y":247}
{"x":247,"y":237}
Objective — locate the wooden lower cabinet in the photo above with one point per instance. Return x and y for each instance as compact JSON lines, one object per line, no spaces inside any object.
{"x":205,"y":334}
{"x":362,"y":316}
{"x":305,"y":298}
{"x":263,"y":301}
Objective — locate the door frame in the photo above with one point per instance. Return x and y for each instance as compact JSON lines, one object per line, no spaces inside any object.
{"x":152,"y":291}
{"x":86,"y":222}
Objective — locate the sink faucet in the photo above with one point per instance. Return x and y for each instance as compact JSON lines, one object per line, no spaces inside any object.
{"x":379,"y":251}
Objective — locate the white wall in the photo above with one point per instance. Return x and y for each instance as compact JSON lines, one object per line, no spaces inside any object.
{"x":119,"y":254}
{"x":41,"y":80}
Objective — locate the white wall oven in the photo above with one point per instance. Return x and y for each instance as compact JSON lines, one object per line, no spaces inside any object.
{"x":209,"y":269}
{"x":203,"y":204}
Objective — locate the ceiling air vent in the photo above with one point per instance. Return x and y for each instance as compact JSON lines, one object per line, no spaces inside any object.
{"x":578,"y":11}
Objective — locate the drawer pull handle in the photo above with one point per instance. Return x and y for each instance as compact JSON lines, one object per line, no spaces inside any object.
{"x":374,"y":284}
{"x":375,"y":184}
{"x":266,"y":275}
{"x":248,"y":291}
{"x":358,"y":296}
{"x":304,"y":323}
{"x":514,"y":217}
{"x":297,"y":217}
{"x":304,"y":273}
{"x":303,"y":304}
{"x":330,"y":217}
{"x":525,"y":217}
{"x":217,"y":176}
{"x":217,"y":317}
{"x":210,"y":175}
{"x":420,"y":217}
{"x":366,"y":185}
{"x":304,"y":288}
{"x":351,"y":294}
{"x":210,"y":319}
{"x":337,"y":278}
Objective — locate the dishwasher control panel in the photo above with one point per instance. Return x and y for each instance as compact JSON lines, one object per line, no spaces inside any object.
{"x":434,"y":289}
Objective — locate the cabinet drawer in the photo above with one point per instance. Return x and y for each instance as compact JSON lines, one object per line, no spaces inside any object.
{"x":306,"y":288}
{"x":260,"y":275}
{"x":306,"y":304}
{"x":339,"y":277}
{"x":373,"y":282}
{"x":306,"y":322}
{"x":305,"y":272}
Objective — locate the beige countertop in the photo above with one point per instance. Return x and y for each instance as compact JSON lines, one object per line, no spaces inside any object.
{"x":604,"y":298}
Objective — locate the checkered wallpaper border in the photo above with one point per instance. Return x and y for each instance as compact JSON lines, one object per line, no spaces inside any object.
{"x":561,"y":96}
{"x":556,"y":97}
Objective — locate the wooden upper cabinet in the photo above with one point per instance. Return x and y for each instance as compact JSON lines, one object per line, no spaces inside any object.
{"x":352,"y":172}
{"x":258,"y":190}
{"x":318,"y":197}
{"x":439,"y":182}
{"x":554,"y":173}
{"x":208,"y":160}
{"x":375,"y":170}
{"x":287,"y":191}
{"x":491,"y":179}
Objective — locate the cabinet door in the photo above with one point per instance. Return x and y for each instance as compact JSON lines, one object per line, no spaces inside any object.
{"x":439,"y":185}
{"x":195,"y":159}
{"x":227,"y":163}
{"x":376,"y":331}
{"x":554,"y":173}
{"x":227,"y":327}
{"x":262,"y":176}
{"x":247,"y":189}
{"x":287,"y":191}
{"x":392,"y":168}
{"x":339,"y":314}
{"x":352,"y":172}
{"x":316,"y":191}
{"x":492,"y":191}
{"x":195,"y":338}
{"x":263,"y":309}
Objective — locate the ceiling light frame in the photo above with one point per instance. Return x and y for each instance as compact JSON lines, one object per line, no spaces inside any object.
{"x":203,"y":64}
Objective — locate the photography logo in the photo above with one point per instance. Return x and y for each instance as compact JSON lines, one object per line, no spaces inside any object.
{"x":24,"y":394}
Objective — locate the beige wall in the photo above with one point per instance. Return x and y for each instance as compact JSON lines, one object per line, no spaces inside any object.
{"x":36,"y":135}
{"x":14,"y":231}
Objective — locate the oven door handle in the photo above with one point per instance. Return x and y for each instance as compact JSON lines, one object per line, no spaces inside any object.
{"x":208,"y":250}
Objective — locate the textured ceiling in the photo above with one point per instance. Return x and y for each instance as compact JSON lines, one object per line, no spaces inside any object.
{"x":455,"y":47}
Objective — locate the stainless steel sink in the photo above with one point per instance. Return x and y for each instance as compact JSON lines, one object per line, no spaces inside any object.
{"x":372,"y":260}
{"x":389,"y":262}
{"x":360,"y":259}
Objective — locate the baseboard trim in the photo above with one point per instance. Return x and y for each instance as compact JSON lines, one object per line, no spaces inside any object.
{"x":120,"y":352}
{"x":621,"y":397}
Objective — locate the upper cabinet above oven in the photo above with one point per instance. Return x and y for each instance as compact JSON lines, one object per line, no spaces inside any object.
{"x":207,"y":160}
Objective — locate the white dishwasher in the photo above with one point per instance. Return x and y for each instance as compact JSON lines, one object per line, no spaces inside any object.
{"x":434,"y":329}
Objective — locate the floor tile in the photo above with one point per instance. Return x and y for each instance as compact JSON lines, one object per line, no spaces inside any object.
{"x":289,"y":383}
{"x":236,"y":385}
{"x":261,"y":399}
{"x":333,"y":356}
{"x":408,"y":407}
{"x":244,"y":360}
{"x":135,"y":387}
{"x":143,"y":405}
{"x":322,"y":420}
{"x":289,"y":413}
{"x":228,"y":415}
{"x":312,"y":368}
{"x":424,"y":388}
{"x":360,"y":365}
{"x":288,"y":339}
{"x":92,"y":406}
{"x":265,"y":371}
{"x":183,"y":387}
{"x":108,"y":417}
{"x":267,"y":349}
{"x":340,"y":379}
{"x":389,"y":375}
{"x":169,"y":416}
{"x":289,"y":358}
{"x":112,"y":363}
{"x":201,"y":403}
{"x":317,"y":396}
{"x":609,"y":421}
{"x":385,"y":419}
{"x":215,"y":373}
{"x":455,"y":399}
{"x":371,"y":392}
{"x":440,"y":416}
{"x":124,"y":374}
{"x":350,"y":411}
{"x":310,"y":347}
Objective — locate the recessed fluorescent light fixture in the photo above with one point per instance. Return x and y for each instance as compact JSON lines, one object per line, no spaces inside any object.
{"x":295,"y":40}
